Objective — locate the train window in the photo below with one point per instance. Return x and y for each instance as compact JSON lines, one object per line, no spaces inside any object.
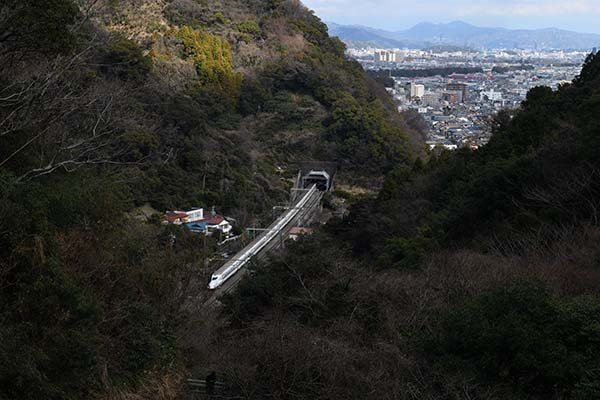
{"x":214,"y":278}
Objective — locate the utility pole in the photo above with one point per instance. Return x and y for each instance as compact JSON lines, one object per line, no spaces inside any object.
{"x":206,"y":259}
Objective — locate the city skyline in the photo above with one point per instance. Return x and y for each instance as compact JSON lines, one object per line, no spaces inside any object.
{"x":574,"y":15}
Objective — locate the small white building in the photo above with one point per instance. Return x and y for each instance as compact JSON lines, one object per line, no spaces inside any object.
{"x":197,"y":221}
{"x":195,"y":215}
{"x":219,"y":223}
{"x":490,"y":95}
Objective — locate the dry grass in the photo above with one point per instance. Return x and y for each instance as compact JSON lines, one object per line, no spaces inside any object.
{"x":157,"y":386}
{"x":340,"y":359}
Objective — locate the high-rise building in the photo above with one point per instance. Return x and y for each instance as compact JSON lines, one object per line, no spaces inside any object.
{"x":416,"y":91}
{"x":458,"y":87}
{"x":385,"y":56}
{"x":453,"y":96}
{"x":431,"y":99}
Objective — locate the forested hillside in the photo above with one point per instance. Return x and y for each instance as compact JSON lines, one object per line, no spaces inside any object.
{"x":474,"y":275}
{"x":108,"y":105}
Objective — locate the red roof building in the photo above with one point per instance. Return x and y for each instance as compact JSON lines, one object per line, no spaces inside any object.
{"x":176,"y":217}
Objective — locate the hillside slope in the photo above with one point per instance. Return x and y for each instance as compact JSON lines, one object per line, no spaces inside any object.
{"x":355,"y":36}
{"x":474,"y":275}
{"x":106,"y":105}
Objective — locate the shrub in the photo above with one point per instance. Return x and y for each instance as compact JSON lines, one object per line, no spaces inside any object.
{"x":213,"y":59}
{"x":249,"y":27}
{"x":123,"y":59}
{"x":38,"y":25}
{"x":518,"y":334}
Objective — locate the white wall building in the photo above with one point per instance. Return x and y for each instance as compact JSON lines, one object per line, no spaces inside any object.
{"x":490,"y":96}
{"x":416,"y":91}
{"x":195,"y":215}
{"x":431,"y":99}
{"x":385,"y":56}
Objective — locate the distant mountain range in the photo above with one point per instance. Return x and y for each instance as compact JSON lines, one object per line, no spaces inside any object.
{"x":462,"y":34}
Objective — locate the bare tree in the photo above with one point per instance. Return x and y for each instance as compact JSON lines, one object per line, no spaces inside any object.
{"x":58,"y":118}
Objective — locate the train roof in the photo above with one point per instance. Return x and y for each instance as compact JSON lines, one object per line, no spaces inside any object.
{"x":235,"y":262}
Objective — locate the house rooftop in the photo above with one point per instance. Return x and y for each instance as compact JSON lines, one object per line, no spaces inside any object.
{"x":172,"y":216}
{"x":215,"y":219}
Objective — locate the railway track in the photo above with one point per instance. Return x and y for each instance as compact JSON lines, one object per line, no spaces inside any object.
{"x":271,"y":239}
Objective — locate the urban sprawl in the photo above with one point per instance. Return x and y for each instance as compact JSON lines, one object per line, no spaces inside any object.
{"x":459,"y":92}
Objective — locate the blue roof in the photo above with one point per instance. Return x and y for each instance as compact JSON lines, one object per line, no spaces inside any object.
{"x":199,"y":226}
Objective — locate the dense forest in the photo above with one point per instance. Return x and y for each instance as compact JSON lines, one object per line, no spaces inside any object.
{"x":425,"y":72}
{"x":386,"y":76}
{"x":111,"y":107}
{"x":512,"y":68}
{"x":468,"y":275}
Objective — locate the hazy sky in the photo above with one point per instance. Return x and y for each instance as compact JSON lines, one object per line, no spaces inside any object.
{"x":577,"y":15}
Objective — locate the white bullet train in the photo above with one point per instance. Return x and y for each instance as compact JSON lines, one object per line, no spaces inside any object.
{"x":241,"y":259}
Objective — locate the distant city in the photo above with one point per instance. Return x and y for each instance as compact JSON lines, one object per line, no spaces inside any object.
{"x":458,"y":92}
